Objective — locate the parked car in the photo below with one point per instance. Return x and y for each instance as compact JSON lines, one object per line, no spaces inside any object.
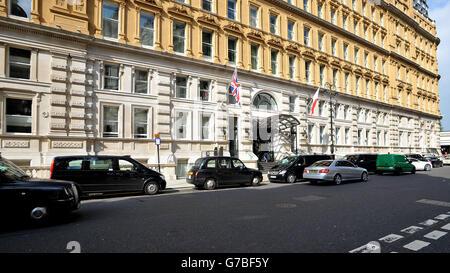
{"x":435,"y":161}
{"x":366,"y":161}
{"x":394,"y":163}
{"x":446,"y":161}
{"x":421,"y":165}
{"x":21,"y":195}
{"x":107,"y":174}
{"x":212,"y":172}
{"x":336,"y":171}
{"x":416,"y":156}
{"x":290,"y":168}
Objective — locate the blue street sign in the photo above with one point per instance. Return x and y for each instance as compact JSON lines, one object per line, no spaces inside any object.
{"x":158,"y":141}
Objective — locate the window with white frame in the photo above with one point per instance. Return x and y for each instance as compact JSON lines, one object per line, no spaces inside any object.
{"x":19,"y":63}
{"x":308,"y":71}
{"x":346,"y":83}
{"x":320,"y":9}
{"x":141,"y":81}
{"x":181,"y":125}
{"x":179,"y":37}
{"x":333,"y":47}
{"x":320,"y":42}
{"x":360,"y":137}
{"x":345,"y":48}
{"x":310,"y":133}
{"x":140,"y":123}
{"x":357,"y":86}
{"x":274,"y":61}
{"x":322,"y":75}
{"x":291,"y":67}
{"x":111,"y":77}
{"x":232,"y":50}
{"x":273,"y":24}
{"x":20,"y":8}
{"x":147,"y":28}
{"x":231,"y":11}
{"x":306,"y":36}
{"x":181,"y":87}
{"x":347,"y":136}
{"x":205,"y":90}
{"x":346,"y":107}
{"x":110,"y":20}
{"x":18,"y":115}
{"x":291,"y":31}
{"x":206,"y":125}
{"x":291,"y":104}
{"x":110,"y":121}
{"x":254,"y":56}
{"x":338,"y":135}
{"x":322,"y":134}
{"x":254,"y":21}
{"x":207,"y":5}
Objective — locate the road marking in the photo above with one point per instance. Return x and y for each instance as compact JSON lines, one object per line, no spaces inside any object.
{"x":309,"y":198}
{"x":442,"y":217}
{"x":434,"y":202}
{"x":429,"y":222}
{"x":416,"y":245}
{"x":286,"y":206}
{"x":446,"y":227}
{"x":435,"y":234}
{"x":411,"y":229}
{"x":390,"y":238}
{"x":371,"y":247}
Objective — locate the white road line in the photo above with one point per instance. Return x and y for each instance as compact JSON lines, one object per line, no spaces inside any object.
{"x":411,"y":229}
{"x":371,"y":247}
{"x":435,"y":235}
{"x":390,"y":238}
{"x":446,"y":227}
{"x":429,"y":222}
{"x":416,"y":245}
{"x":434,"y":202}
{"x":442,"y":217}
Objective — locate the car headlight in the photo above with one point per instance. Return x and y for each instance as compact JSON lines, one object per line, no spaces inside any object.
{"x":283,"y":172}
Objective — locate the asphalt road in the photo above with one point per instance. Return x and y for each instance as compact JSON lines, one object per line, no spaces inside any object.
{"x":271,"y":218}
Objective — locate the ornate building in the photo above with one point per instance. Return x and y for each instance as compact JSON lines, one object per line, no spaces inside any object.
{"x":105,"y":76}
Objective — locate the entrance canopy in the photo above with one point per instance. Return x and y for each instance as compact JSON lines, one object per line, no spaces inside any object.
{"x":283,"y":122}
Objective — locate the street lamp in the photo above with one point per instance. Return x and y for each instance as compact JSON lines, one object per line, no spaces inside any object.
{"x":330,"y":90}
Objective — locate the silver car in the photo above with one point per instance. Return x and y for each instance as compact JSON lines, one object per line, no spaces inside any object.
{"x":335,"y":171}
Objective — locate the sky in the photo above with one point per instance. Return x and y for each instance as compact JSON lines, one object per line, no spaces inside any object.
{"x":439,"y":10}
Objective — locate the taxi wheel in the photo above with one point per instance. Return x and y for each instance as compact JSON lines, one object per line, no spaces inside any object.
{"x":151,"y":188}
{"x":255,"y":181}
{"x":291,"y":178}
{"x":210,"y":184}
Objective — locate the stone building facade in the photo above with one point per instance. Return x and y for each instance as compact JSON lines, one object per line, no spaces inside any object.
{"x":105,"y":76}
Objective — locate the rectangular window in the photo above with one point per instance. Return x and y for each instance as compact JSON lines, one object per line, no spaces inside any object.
{"x":232,"y":9}
{"x":308,"y":71}
{"x":254,"y":17}
{"x":19,"y":63}
{"x":333,"y":16}
{"x":101,"y":164}
{"x":357,"y":86}
{"x":206,"y":126}
{"x":306,"y":5}
{"x":254,"y":56}
{"x":346,"y":111}
{"x":18,"y":116}
{"x":179,"y":37}
{"x":355,"y":28}
{"x":147,"y":29}
{"x":140,"y":123}
{"x":291,"y":67}
{"x":344,"y":22}
{"x":320,"y":10}
{"x":20,"y":8}
{"x":207,"y":44}
{"x":110,"y":121}
{"x":338,"y":135}
{"x":306,"y":36}
{"x":333,"y":47}
{"x":181,"y":87}
{"x":322,"y":134}
{"x":141,"y":81}
{"x":291,"y":104}
{"x":232,"y":50}
{"x":310,"y":133}
{"x":367,"y":88}
{"x":111,"y":77}
{"x":207,"y":5}
{"x":273,"y":24}
{"x":345,"y":52}
{"x":291,"y":33}
{"x":322,"y":75}
{"x":347,"y":136}
{"x":335,"y":78}
{"x":205,"y":90}
{"x":110,"y":21}
{"x":346,"y":83}
{"x":274,"y":61}
{"x":181,"y":125}
{"x":320,"y":39}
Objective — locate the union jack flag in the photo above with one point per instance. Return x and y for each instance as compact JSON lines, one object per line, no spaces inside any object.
{"x":234,"y":86}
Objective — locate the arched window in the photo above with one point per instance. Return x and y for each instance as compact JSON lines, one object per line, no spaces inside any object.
{"x":264,"y":101}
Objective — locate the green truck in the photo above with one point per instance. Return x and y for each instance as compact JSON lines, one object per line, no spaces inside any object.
{"x":394,"y":163}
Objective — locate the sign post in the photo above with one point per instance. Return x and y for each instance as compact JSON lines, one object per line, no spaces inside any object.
{"x":158,"y":143}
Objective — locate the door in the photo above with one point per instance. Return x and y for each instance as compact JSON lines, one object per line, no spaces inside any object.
{"x":100,"y":174}
{"x":233,"y":136}
{"x":343,"y":169}
{"x":299,"y":167}
{"x":240,"y":173}
{"x":225,"y":172}
{"x":353,"y":170}
{"x":126,"y":176}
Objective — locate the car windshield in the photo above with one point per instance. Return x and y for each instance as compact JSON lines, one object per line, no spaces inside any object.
{"x":197,"y":163}
{"x":286,"y":161}
{"x":324,"y":163}
{"x":11,"y":171}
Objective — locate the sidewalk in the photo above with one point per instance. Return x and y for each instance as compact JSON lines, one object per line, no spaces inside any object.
{"x":182,"y":184}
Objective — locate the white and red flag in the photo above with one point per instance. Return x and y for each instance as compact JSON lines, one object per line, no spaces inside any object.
{"x":235,"y":87}
{"x":314,"y":101}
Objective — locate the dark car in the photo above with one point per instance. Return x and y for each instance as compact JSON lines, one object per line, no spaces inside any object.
{"x":366,"y":161}
{"x":96,"y":175}
{"x":290,"y":168}
{"x":212,"y":172}
{"x":435,"y":161}
{"x":21,"y":195}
